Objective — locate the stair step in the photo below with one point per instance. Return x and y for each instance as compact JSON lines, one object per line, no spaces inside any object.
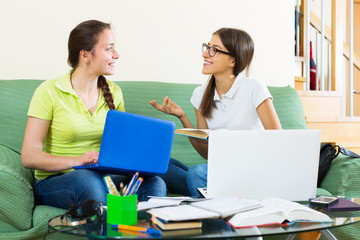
{"x":344,"y":133}
{"x":323,"y":111}
{"x":321,"y":105}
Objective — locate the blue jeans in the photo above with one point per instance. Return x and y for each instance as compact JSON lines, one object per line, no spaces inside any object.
{"x":197,"y":178}
{"x":175,"y":177}
{"x":72,"y":188}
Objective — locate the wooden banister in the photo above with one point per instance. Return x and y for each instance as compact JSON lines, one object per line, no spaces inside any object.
{"x":315,"y":22}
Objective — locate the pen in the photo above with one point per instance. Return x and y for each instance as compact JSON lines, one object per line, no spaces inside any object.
{"x":131,"y":184}
{"x":136,"y":187}
{"x":136,"y":229}
{"x":124,"y":190}
{"x":138,"y":234}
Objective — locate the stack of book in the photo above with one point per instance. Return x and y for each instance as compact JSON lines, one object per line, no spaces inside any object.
{"x":238,"y":212}
{"x":187,"y":216}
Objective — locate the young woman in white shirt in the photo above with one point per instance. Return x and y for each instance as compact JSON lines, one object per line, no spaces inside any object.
{"x":229,"y":100}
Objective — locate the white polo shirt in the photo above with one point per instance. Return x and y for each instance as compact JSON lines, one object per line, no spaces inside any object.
{"x":237,"y":108}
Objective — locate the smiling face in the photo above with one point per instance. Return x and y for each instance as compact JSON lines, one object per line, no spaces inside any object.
{"x":220,"y":63}
{"x":104,"y":55}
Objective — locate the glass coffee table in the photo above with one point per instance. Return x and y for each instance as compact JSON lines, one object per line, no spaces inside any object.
{"x":213,"y":229}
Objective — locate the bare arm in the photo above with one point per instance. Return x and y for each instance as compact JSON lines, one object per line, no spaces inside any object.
{"x":32,"y":155}
{"x":169,"y":107}
{"x":268,"y":115}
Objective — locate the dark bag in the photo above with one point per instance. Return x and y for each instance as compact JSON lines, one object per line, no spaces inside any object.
{"x":327,"y":154}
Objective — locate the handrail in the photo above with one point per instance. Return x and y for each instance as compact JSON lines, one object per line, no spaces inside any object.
{"x":315,"y":22}
{"x":355,"y":56}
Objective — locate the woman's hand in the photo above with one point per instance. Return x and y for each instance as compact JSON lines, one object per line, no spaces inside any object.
{"x":169,"y":107}
{"x":88,"y":158}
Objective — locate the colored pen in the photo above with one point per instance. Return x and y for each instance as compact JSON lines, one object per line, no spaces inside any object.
{"x":136,"y":187}
{"x":110,"y":186}
{"x":131,"y":184}
{"x":113,"y":187}
{"x":124,"y":190}
{"x":137,"y":234}
{"x":136,"y":229}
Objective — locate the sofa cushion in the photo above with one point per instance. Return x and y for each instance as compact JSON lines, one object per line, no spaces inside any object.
{"x":15,"y":97}
{"x":41,"y":216}
{"x":43,"y":213}
{"x":12,"y":160}
{"x":289,"y":107}
{"x":343,"y":177}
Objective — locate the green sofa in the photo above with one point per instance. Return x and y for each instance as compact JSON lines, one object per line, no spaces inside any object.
{"x":21,"y":219}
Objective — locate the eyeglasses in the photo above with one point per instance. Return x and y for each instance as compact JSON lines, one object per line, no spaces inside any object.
{"x":211,"y":50}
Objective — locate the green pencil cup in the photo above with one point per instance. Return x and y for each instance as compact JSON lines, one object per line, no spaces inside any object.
{"x":121,"y":209}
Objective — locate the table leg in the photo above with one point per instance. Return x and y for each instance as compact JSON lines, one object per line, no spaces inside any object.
{"x":291,"y":236}
{"x":327,"y":234}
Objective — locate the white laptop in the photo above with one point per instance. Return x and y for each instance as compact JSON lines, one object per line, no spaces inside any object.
{"x":266,"y":163}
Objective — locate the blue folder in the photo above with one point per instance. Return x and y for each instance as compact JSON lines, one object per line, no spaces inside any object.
{"x":134,"y":143}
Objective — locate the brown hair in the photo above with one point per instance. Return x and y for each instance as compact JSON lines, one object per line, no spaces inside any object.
{"x":240,"y":46}
{"x":84,"y":37}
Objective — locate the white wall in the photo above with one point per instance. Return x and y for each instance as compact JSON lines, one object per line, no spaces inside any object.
{"x":158,"y":40}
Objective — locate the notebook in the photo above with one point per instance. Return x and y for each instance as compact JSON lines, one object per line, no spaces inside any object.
{"x":132,"y":143}
{"x":343,"y":204}
{"x":257,"y":164}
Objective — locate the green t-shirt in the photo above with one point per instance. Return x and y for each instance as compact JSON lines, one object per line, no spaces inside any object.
{"x":73,"y":130}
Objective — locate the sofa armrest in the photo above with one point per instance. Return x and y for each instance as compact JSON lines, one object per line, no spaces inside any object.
{"x":16,"y":201}
{"x":17,"y":197}
{"x":322,"y":192}
{"x":12,"y":160}
{"x":343,"y":178}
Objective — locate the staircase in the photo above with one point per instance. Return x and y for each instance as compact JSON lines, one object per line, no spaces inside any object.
{"x":323,"y":111}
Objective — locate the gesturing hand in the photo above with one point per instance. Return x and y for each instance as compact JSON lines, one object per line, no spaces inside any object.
{"x":169,"y":107}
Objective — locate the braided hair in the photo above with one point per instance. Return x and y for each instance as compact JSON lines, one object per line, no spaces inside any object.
{"x":104,"y":86}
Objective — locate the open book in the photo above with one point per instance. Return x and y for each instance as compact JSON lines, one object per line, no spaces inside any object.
{"x":191,"y":132}
{"x":155,"y":202}
{"x":277,"y":211}
{"x":221,"y":207}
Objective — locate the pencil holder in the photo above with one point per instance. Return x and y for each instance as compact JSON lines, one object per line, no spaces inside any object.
{"x":122,"y":209}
